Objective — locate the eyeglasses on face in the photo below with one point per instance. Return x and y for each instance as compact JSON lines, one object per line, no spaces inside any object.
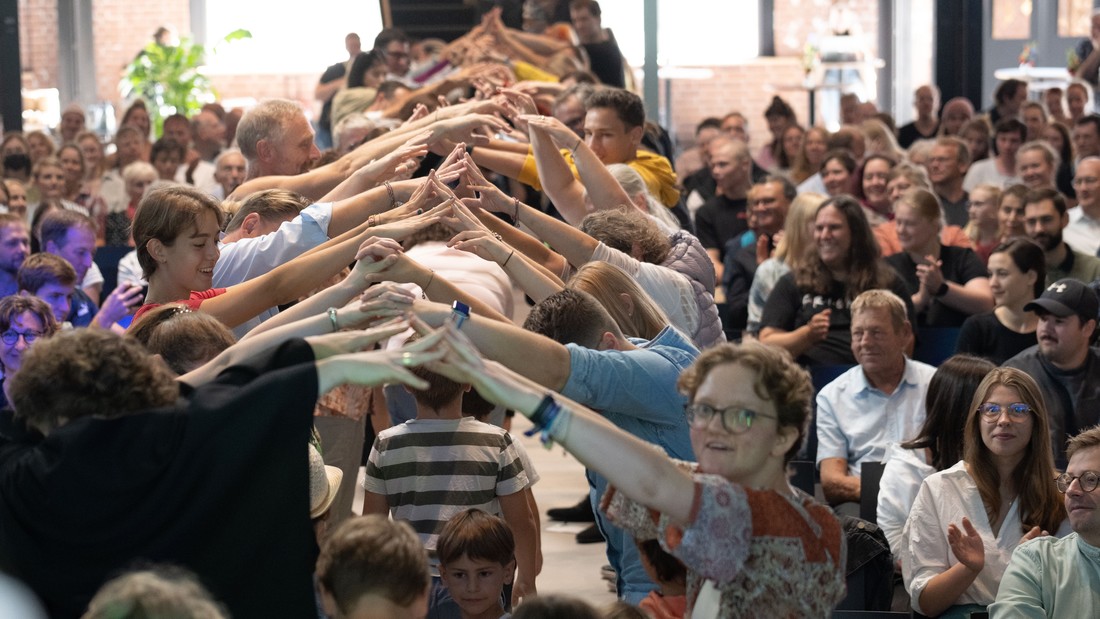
{"x":1017,"y":411}
{"x":735,"y":419}
{"x":11,"y":336}
{"x":1087,"y":480}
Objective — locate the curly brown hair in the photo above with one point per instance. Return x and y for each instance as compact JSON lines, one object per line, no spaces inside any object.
{"x":779,"y":379}
{"x":87,"y":372}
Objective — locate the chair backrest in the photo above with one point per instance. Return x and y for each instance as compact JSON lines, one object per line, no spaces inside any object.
{"x":804,"y":475}
{"x":869,"y":475}
{"x":935,"y":344}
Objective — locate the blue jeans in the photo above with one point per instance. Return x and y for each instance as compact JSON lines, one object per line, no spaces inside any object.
{"x":632,"y":584}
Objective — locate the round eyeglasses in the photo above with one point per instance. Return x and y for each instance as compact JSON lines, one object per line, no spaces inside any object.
{"x":1017,"y":411}
{"x":1087,"y":480}
{"x":11,"y":336}
{"x":735,"y":419}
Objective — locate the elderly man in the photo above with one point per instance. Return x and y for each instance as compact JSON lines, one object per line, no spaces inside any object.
{"x":1051,"y":577}
{"x":947,"y":166}
{"x":1065,"y":366}
{"x":768,"y":202}
{"x":229,"y":171}
{"x":1045,"y":217}
{"x":1083,"y":232}
{"x":879,"y":401}
{"x":956,"y":113}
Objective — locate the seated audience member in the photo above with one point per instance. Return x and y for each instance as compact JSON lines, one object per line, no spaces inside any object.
{"x":1050,"y":577}
{"x":967,"y":520}
{"x":17,"y":197}
{"x":1082,"y":233}
{"x":768,"y":202}
{"x":791,"y":146}
{"x":983,"y":225}
{"x":229,"y":172}
{"x":947,"y":165}
{"x":138,"y":177}
{"x":878,"y":137}
{"x":807,"y":312}
{"x":443,"y":442}
{"x":806,"y":171}
{"x":903,"y":177}
{"x":365,"y":75}
{"x":798,"y":233}
{"x":875,"y":403}
{"x":1017,"y":276}
{"x":1034,"y":116}
{"x":938,"y":444}
{"x":838,"y":173}
{"x":751,"y":398}
{"x":1079,"y":100}
{"x":164,"y":591}
{"x":870,"y":186}
{"x":372,"y":565}
{"x":23,"y":320}
{"x":477,"y":558}
{"x":49,"y":278}
{"x":1055,"y":100}
{"x":978,"y":135}
{"x":946,"y":284}
{"x":1036,"y":164}
{"x":1044,"y":219}
{"x":1058,"y":137}
{"x":1064,"y":364}
{"x":85,"y":390}
{"x":779,"y":115}
{"x":1010,"y":213}
{"x":167,"y":156}
{"x":926,"y":101}
{"x":1008,"y":98}
{"x":956,"y":113}
{"x":999,"y":170}
{"x":724,"y":217}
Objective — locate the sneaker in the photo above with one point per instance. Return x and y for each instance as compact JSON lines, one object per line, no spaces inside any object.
{"x":591,"y":535}
{"x":581,"y":512}
{"x":608,"y":573}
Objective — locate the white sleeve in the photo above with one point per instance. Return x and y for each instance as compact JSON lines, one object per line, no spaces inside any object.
{"x":927,"y":553}
{"x":896,"y":492}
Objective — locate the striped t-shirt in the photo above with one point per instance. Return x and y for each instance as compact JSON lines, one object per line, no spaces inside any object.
{"x":431,"y":469}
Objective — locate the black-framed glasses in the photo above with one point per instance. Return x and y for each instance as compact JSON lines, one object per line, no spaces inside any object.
{"x":735,"y":419}
{"x":1087,"y":480}
{"x":1017,"y":411}
{"x":11,"y":336}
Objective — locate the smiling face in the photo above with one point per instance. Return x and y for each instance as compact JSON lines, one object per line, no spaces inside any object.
{"x":915,"y":232}
{"x":1033,"y":168}
{"x":751,"y":457}
{"x":982,"y":210}
{"x":836,"y":177}
{"x":78,"y":248}
{"x":1086,"y":181}
{"x":1064,"y":341}
{"x":188,"y":263}
{"x":475,"y":585}
{"x":72,"y":162}
{"x":11,"y":355}
{"x":877,"y":343}
{"x":875,"y":173}
{"x":606,"y":134}
{"x":1084,"y":507}
{"x":50,"y":181}
{"x":1005,"y":437}
{"x":17,"y":197}
{"x":833,"y":237}
{"x":1076,"y":98}
{"x":92,"y":151}
{"x":293,"y":152}
{"x":1010,"y":286}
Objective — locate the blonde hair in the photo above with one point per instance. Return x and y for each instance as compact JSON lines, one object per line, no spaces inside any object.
{"x":796,"y":234}
{"x":607,"y":283}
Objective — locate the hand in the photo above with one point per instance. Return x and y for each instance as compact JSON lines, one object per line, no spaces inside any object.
{"x":763,"y":248}
{"x":381,"y":367}
{"x":483,"y":244}
{"x":343,"y":342}
{"x":383,"y":301}
{"x":819,"y":325}
{"x":420,"y":111}
{"x":967,"y":546}
{"x":461,"y":219}
{"x":490,"y":197}
{"x":523,"y":589}
{"x":563,"y":136}
{"x":404,"y":160}
{"x":517,"y":104}
{"x":402,"y":228}
{"x":475,"y":129}
{"x":930,"y":274}
{"x":122,"y":300}
{"x":1033,"y":533}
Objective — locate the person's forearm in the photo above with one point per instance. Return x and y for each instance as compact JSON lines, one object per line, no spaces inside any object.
{"x":314,"y":308}
{"x":534,"y":280}
{"x":499,"y":160}
{"x":557,"y":179}
{"x":523,"y":524}
{"x":795,"y":342}
{"x":325,"y":90}
{"x":945,"y":589}
{"x":1089,"y":66}
{"x":250,"y":346}
{"x":576,"y":246}
{"x":552,"y":262}
{"x":840,"y":489}
{"x":972,"y":298}
{"x":603,"y":190}
{"x":352,"y":212}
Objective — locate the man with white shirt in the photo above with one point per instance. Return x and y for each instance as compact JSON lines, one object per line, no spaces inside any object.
{"x":878,"y":402}
{"x":1083,"y":232}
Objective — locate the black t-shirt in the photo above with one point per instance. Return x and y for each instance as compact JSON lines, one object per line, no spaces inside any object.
{"x":720,"y":220}
{"x":606,"y":61}
{"x":334,"y":72}
{"x":984,"y":336}
{"x":960,"y":265}
{"x":907,"y":134}
{"x":789,"y":308}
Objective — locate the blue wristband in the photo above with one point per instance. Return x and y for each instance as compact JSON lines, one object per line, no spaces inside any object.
{"x":460,"y":313}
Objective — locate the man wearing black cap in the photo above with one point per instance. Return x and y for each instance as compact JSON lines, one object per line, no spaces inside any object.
{"x":1065,"y":366}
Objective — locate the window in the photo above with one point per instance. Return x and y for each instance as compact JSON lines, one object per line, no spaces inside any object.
{"x":1011,"y":19}
{"x":689,"y":32}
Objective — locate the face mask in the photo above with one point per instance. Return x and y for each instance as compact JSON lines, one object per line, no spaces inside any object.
{"x":17,"y":161}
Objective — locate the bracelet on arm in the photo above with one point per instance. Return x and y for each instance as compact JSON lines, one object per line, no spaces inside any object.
{"x":460,"y":313}
{"x":389,"y":190}
{"x":942,"y":290}
{"x":515,"y":213}
{"x":573,"y":151}
{"x":332,"y":319}
{"x":424,"y":290}
{"x":372,"y":221}
{"x":505,"y":263}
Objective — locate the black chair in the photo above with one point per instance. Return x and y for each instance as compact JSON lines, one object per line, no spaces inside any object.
{"x":869,"y":475}
{"x":804,"y":475}
{"x":935,"y":344}
{"x":820,"y":375}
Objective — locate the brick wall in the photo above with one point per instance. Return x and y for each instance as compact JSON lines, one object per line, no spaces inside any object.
{"x":121,"y":28}
{"x":38,"y":42}
{"x":795,"y":20}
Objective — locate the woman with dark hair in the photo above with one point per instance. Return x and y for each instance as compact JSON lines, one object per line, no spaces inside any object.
{"x":946,"y":284}
{"x":366,"y":74}
{"x":23,"y":319}
{"x":137,"y":116}
{"x":937,"y":446}
{"x":1017,"y":275}
{"x":780,"y":115}
{"x":807,"y":312}
{"x":967,"y":520}
{"x":977,"y":134}
{"x":790,"y":147}
{"x":1010,"y":213}
{"x":1007,"y":100}
{"x":871,"y":189}
{"x":837,"y":172}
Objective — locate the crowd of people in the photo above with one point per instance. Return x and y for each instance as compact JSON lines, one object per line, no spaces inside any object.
{"x":206,"y":335}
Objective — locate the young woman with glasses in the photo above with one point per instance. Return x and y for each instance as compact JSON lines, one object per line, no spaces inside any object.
{"x":967,"y":520}
{"x":23,"y":319}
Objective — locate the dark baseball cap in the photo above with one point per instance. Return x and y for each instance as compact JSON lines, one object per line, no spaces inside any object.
{"x":1067,"y":297}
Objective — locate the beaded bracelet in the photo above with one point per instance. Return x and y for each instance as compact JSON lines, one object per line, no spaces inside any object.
{"x":393,"y":197}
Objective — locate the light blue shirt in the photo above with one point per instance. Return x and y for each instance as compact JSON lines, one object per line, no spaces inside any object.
{"x":1050,"y":577}
{"x":856,"y":422}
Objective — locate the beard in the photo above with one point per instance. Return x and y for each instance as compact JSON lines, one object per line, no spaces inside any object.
{"x":1049,"y":242}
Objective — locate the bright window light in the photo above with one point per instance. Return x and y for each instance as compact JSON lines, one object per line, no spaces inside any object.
{"x":689,"y":32}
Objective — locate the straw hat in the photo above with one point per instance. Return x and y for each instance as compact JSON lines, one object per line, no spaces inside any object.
{"x":324,"y":482}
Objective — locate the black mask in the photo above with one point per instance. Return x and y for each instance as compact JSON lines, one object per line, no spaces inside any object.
{"x":16,"y":162}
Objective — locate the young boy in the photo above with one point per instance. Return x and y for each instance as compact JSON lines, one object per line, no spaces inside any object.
{"x":476,"y":560}
{"x":373,"y":567}
{"x":50,"y":278}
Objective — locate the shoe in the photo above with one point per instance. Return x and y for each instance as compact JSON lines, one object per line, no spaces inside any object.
{"x":608,"y":573}
{"x":581,"y":512}
{"x":591,"y":535}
